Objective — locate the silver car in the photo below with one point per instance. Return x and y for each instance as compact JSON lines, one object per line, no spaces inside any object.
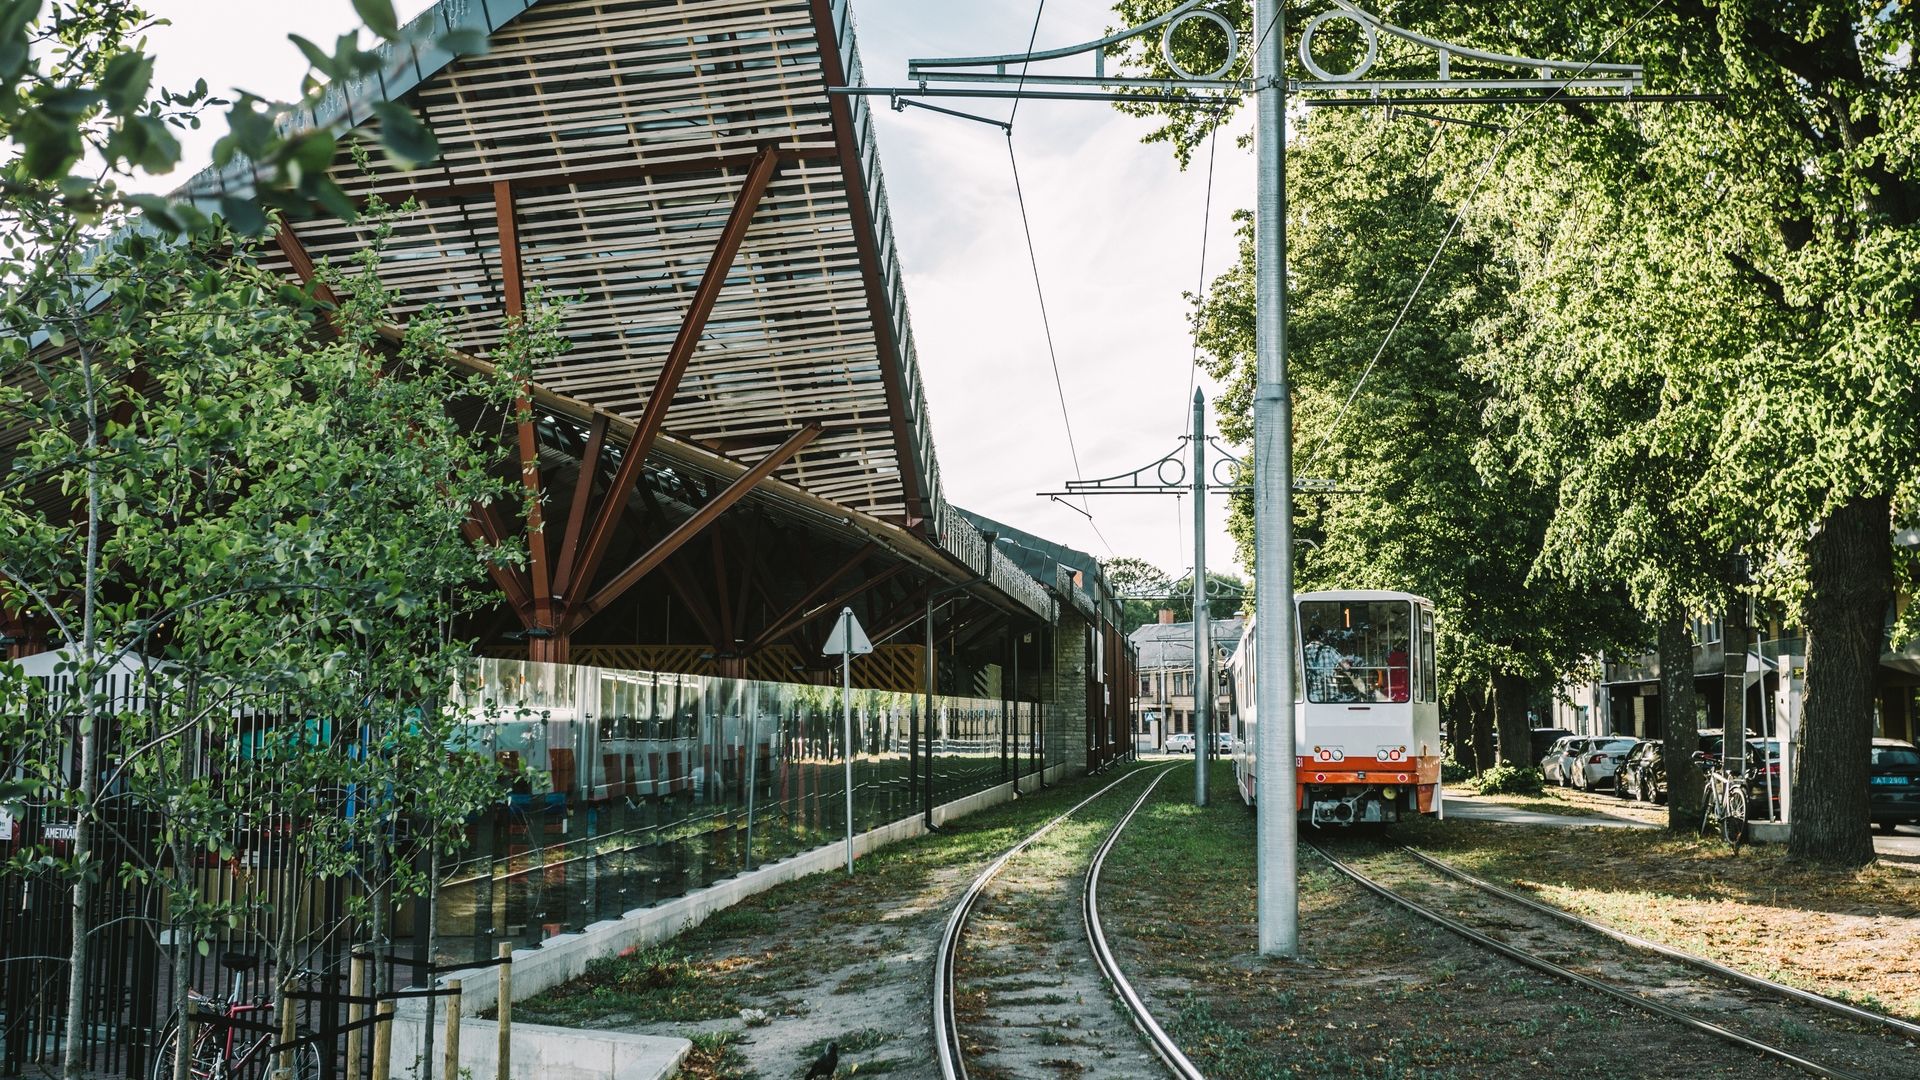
{"x":1180,"y":743}
{"x":1599,"y":764}
{"x":1554,"y":766}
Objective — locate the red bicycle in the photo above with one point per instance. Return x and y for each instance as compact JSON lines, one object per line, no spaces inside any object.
{"x":227,"y":1052}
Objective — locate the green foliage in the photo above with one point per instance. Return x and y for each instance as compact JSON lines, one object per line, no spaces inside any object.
{"x":1152,"y":589}
{"x":76,"y":85}
{"x":1452,"y":769}
{"x":1506,"y":779}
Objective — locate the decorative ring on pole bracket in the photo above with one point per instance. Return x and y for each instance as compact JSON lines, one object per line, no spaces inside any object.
{"x":1217,"y":19}
{"x":1313,"y":27}
{"x":1179,"y":471}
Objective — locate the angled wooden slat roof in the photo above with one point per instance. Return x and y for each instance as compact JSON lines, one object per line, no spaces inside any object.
{"x":625,"y":128}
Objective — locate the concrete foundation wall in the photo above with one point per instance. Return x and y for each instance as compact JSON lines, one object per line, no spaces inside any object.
{"x":565,"y":957}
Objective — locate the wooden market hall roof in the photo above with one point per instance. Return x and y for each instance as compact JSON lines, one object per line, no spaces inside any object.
{"x":717,"y":224}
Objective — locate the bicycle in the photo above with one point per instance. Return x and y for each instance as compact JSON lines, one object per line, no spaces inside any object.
{"x":1725,"y":809}
{"x":228,"y":1052}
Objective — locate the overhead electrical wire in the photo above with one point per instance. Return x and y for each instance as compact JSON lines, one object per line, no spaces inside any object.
{"x":1033,"y":259}
{"x":1453,"y":227}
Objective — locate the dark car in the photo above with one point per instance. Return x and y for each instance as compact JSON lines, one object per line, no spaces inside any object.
{"x":1643,"y":776}
{"x":1541,"y":738}
{"x":1893,"y":784}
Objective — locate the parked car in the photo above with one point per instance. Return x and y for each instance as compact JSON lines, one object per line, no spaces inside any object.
{"x":1541,"y":739}
{"x":1643,"y":775}
{"x":1558,"y":765}
{"x":1893,"y":784}
{"x":1598,"y":765}
{"x":1223,"y":742}
{"x":1180,"y":743}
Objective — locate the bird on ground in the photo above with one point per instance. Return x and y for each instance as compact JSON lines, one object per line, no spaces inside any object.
{"x":824,"y":1065}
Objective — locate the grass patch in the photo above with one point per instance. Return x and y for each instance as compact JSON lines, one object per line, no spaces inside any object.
{"x":716,"y":1056}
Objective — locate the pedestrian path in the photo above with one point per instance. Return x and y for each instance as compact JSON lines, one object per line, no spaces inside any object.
{"x":1469,"y":809}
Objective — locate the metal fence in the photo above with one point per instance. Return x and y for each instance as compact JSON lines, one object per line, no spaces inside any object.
{"x":628,"y":789}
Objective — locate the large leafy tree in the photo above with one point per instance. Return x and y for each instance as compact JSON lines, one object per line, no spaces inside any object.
{"x":1389,"y":408}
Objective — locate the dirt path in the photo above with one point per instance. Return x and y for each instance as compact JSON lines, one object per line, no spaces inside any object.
{"x":764,"y":986}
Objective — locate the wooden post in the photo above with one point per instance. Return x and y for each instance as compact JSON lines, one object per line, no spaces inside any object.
{"x":183,"y":1050}
{"x":285,"y":1071}
{"x":383,"y":1041}
{"x":356,"y":1012}
{"x":452,"y":1071}
{"x":504,"y":1013}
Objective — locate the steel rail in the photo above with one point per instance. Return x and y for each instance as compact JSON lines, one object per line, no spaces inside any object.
{"x":1546,"y":966}
{"x":946,"y":1029}
{"x":1163,"y":1045}
{"x":1805,"y":997}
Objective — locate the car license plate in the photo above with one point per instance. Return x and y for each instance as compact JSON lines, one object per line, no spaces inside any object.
{"x":1891,"y":780}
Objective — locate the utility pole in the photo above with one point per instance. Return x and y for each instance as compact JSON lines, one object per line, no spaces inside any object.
{"x":1202,"y":618}
{"x":1277,"y":828}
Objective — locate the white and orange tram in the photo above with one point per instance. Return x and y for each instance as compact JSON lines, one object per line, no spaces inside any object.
{"x":1366,"y":712}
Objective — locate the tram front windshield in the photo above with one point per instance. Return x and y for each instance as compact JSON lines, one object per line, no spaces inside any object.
{"x":1356,"y":651}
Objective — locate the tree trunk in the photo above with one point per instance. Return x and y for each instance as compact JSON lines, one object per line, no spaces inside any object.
{"x":1510,"y":694}
{"x":1481,"y":727}
{"x":1734,"y":639}
{"x":1679,"y":716}
{"x":1849,"y":584}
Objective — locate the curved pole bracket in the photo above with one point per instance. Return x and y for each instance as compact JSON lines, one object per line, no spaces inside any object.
{"x":1512,"y":72}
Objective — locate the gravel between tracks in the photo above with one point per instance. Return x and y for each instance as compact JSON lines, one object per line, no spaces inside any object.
{"x":1031,"y":1001}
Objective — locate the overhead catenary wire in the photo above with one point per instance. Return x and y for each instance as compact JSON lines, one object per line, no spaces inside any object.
{"x":1453,"y":226}
{"x":1040,"y":294}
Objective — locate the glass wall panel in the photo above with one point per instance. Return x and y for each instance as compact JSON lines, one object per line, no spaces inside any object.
{"x":633,"y":787}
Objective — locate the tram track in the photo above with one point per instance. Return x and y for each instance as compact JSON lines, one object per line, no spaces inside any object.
{"x":1841,"y":1041}
{"x":949,"y":1051}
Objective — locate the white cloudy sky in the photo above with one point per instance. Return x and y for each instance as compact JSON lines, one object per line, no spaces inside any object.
{"x":1117,"y":228}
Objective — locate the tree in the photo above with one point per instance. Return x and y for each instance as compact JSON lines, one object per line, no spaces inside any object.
{"x":192,"y":484}
{"x":1429,"y":500}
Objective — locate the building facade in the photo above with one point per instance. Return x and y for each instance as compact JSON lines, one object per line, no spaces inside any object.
{"x":1165,"y":691}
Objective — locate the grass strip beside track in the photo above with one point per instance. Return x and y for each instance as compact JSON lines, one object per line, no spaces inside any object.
{"x":1853,"y":935}
{"x":1376,"y":994}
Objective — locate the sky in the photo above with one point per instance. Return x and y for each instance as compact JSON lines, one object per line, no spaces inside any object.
{"x":1117,"y":233}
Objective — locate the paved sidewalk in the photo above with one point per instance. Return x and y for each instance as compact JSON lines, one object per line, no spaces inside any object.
{"x":1468,"y":809}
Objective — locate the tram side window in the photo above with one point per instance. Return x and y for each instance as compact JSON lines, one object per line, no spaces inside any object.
{"x":1429,"y":688}
{"x":1357,"y":651}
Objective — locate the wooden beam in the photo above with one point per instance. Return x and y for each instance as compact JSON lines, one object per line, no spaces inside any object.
{"x":480,"y":526}
{"x":577,"y":513}
{"x":513,"y":293}
{"x":814,"y":611}
{"x":654,"y":413}
{"x":695,"y":604}
{"x":833,"y":70}
{"x":290,"y":246}
{"x":688,"y":529}
{"x":785,"y":621}
{"x":394,"y":195}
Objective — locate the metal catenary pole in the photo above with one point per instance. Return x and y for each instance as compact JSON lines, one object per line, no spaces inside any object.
{"x":1278,"y":825}
{"x":1202,"y":620}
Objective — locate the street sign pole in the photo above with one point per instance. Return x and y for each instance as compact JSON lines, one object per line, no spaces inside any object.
{"x":847,"y":640}
{"x":846,"y":713}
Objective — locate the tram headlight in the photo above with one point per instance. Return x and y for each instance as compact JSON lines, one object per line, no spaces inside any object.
{"x":1389,"y":792}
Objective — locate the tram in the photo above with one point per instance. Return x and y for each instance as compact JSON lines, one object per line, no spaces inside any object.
{"x":1366,"y":711}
